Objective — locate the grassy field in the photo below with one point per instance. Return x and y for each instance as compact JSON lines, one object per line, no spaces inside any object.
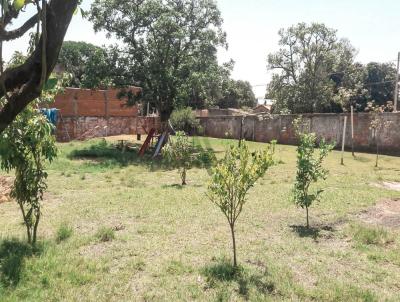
{"x":116,"y":228}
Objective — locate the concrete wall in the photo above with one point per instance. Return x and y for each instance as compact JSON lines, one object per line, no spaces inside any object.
{"x":86,"y":127}
{"x":328,"y":126}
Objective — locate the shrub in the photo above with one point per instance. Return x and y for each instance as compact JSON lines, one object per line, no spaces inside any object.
{"x":184,"y":120}
{"x":233,"y":177}
{"x":105,"y":234}
{"x":64,"y":232}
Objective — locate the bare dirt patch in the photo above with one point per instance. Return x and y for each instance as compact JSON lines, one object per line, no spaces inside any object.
{"x":5,"y":188}
{"x":385,"y":213}
{"x":388,"y":185}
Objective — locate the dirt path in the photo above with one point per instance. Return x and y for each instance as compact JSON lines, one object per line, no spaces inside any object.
{"x":5,"y":188}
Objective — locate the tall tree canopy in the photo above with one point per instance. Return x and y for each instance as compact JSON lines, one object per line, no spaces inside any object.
{"x":22,"y":84}
{"x":237,"y":94}
{"x":169,"y":44}
{"x":310,"y":65}
{"x":92,"y":66}
{"x":367,"y":86}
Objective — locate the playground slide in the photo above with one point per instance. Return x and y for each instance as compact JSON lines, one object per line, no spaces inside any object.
{"x":146,"y":143}
{"x":160,"y":144}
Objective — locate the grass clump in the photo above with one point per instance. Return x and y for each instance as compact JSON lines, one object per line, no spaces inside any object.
{"x":105,"y":234}
{"x":64,"y":232}
{"x":370,"y":235}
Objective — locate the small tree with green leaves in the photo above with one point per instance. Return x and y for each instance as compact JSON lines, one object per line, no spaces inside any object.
{"x":233,"y":177}
{"x":24,"y":146}
{"x":184,"y":120}
{"x":309,"y":168}
{"x":179,"y":153}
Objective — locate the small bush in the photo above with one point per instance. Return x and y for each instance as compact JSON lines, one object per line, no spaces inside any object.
{"x":371,"y":236}
{"x":184,"y":120}
{"x":63,"y":232}
{"x":105,"y":234}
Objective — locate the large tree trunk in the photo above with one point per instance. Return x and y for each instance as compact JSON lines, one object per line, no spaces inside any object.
{"x":23,"y":82}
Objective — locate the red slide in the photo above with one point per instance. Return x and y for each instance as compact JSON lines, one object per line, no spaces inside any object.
{"x":146,"y":143}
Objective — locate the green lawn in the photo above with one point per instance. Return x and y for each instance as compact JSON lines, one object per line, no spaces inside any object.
{"x":116,"y":228}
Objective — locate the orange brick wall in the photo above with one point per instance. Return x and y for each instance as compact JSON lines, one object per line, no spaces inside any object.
{"x":86,"y":113}
{"x":85,"y":102}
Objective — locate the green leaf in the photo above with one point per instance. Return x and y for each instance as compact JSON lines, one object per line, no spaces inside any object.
{"x":50,"y":84}
{"x":18,"y":4}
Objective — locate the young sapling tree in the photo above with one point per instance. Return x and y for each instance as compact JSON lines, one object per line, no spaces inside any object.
{"x":309,"y":169}
{"x":179,"y":152}
{"x":24,"y":146}
{"x":233,"y":177}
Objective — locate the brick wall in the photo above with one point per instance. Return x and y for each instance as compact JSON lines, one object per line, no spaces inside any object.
{"x":328,"y":126}
{"x":86,"y":113}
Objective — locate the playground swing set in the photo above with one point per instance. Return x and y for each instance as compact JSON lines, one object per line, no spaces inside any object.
{"x":161,"y":140}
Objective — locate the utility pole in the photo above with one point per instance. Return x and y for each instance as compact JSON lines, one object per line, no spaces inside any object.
{"x":396,"y":84}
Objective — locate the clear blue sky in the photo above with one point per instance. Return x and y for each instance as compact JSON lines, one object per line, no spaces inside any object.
{"x":373,"y":28}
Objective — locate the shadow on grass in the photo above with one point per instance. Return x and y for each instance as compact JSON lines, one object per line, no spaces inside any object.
{"x":222,"y":271}
{"x":176,"y":186}
{"x":107,"y":155}
{"x":362,"y":159}
{"x":312,"y":232}
{"x":12,"y":255}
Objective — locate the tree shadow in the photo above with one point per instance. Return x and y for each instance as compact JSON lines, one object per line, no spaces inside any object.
{"x":362,"y":159}
{"x":12,"y":255}
{"x":222,"y":271}
{"x":176,"y":186}
{"x":312,"y":232}
{"x":107,"y":155}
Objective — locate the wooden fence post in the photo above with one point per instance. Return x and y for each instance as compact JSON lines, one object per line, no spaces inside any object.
{"x":344,"y":137}
{"x":352,"y":130}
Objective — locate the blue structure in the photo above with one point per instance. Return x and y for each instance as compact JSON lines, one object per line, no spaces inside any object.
{"x":51,"y":114}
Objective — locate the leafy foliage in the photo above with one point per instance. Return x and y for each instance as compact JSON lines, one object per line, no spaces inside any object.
{"x":184,"y":120}
{"x":317,"y":73}
{"x":170,"y":46}
{"x":24,"y":146}
{"x":237,"y":94}
{"x":92,"y":66}
{"x":21,"y":85}
{"x":233,"y":177}
{"x":309,"y":168}
{"x":309,"y":57}
{"x":180,"y":153}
